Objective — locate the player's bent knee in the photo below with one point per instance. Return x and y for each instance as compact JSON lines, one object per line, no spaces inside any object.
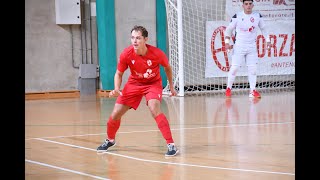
{"x":115,"y":115}
{"x":155,"y":113}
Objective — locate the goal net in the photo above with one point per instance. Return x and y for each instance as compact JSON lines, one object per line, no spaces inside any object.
{"x":196,"y":46}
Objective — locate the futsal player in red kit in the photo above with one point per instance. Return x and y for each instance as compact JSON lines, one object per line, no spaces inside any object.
{"x":144,"y":62}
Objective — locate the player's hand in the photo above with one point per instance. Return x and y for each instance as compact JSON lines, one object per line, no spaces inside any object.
{"x":114,"y":93}
{"x":173,"y":92}
{"x":228,"y":47}
{"x":268,"y":45}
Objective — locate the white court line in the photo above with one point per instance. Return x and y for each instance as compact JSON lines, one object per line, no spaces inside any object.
{"x":222,"y":126}
{"x":179,"y":164}
{"x":64,"y":169}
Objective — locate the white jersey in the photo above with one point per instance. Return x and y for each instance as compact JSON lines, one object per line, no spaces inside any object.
{"x":245,"y":26}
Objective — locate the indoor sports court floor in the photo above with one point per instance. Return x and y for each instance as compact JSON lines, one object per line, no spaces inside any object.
{"x":218,"y":138}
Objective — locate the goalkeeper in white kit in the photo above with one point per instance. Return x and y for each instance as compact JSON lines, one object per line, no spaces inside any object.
{"x":245,"y":24}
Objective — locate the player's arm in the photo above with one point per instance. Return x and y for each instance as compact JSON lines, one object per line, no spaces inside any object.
{"x":228,"y":33}
{"x":264,"y":31}
{"x":117,"y":80}
{"x":168,"y":71}
{"x":122,"y":66}
{"x":117,"y":83}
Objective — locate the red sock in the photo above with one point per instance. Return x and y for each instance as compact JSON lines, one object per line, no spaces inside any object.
{"x":164,"y":127}
{"x":112,"y":128}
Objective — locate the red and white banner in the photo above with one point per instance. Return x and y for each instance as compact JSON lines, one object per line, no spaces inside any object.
{"x":279,"y":60}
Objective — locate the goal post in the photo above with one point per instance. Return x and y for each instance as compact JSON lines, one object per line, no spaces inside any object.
{"x":196,"y":46}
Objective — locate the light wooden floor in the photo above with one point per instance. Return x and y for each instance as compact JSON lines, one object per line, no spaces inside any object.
{"x":219,"y":139}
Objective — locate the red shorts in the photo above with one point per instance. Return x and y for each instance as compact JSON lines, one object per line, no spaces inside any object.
{"x":132,"y":93}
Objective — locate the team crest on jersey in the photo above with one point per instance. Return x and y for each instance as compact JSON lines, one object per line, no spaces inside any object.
{"x":252,"y":19}
{"x":132,"y":61}
{"x":149,"y":62}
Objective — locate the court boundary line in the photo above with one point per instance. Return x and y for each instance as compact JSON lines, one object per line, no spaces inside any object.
{"x":172,"y":163}
{"x":65,"y":169}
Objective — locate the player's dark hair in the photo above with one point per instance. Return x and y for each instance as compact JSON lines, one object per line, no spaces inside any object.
{"x":142,"y":29}
{"x":246,"y":0}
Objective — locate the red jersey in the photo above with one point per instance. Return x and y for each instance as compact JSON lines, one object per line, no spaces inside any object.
{"x":144,"y":69}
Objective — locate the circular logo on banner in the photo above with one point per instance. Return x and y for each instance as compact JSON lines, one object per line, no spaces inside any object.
{"x":214,"y":39}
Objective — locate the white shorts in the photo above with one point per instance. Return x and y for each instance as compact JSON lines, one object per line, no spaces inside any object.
{"x":244,"y":53}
